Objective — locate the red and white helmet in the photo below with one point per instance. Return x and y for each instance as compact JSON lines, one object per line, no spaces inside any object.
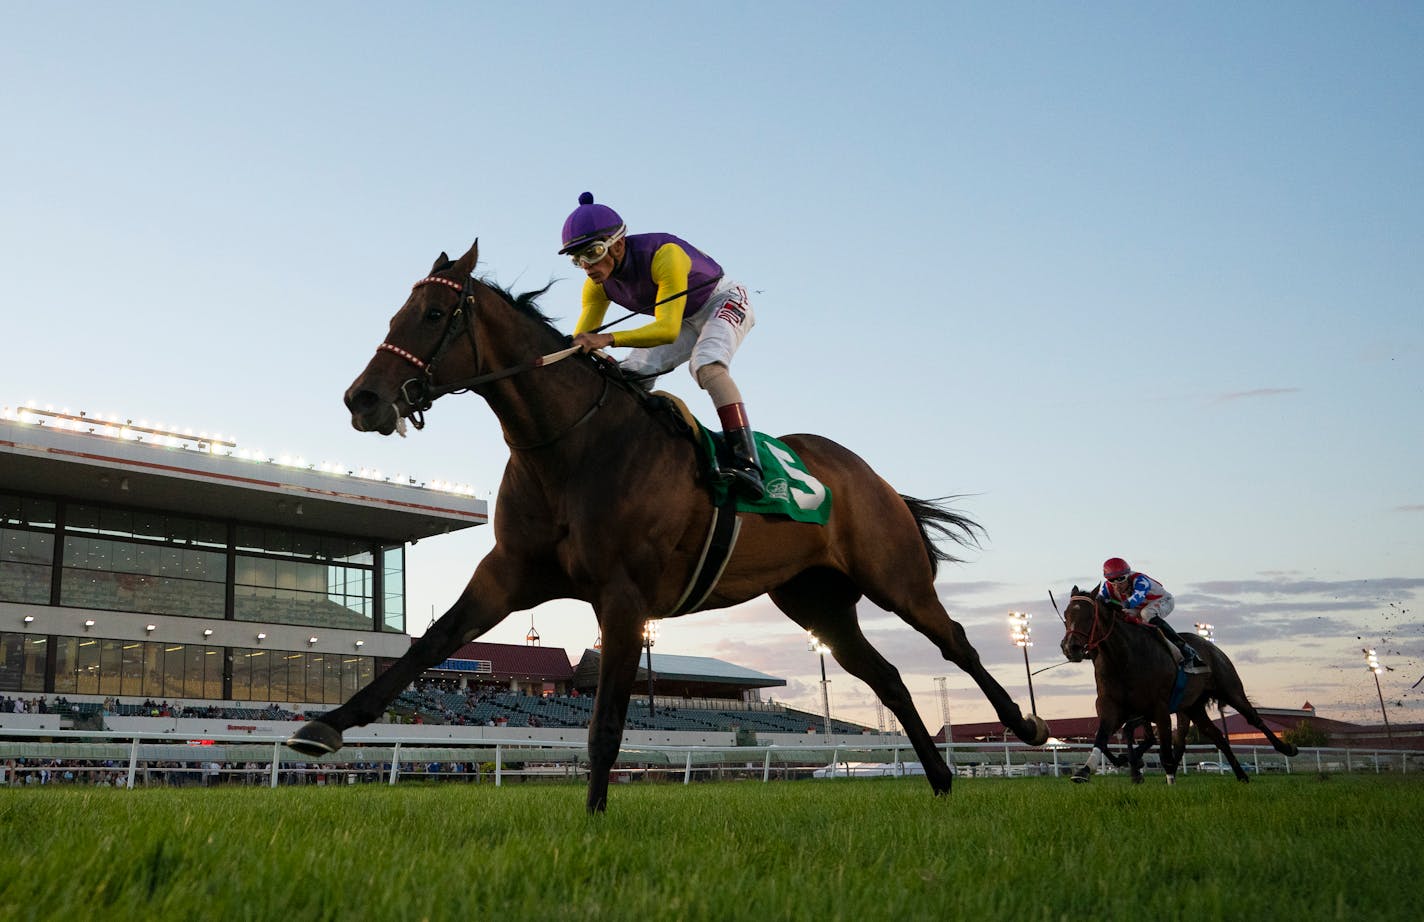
{"x":1115,"y":567}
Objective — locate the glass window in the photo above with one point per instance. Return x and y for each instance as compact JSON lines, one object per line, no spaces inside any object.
{"x":22,"y":662}
{"x":128,"y":576}
{"x":284,"y":543}
{"x":299,"y":592}
{"x":86,"y":667}
{"x":32,"y":679}
{"x":171,"y":661}
{"x":26,"y":559}
{"x":331,"y":679}
{"x":209,"y":534}
{"x":153,"y":656}
{"x":393,"y":605}
{"x":131,"y":668}
{"x":12,"y":661}
{"x":155,"y":525}
{"x":241,"y":674}
{"x":213,"y":673}
{"x":350,"y":676}
{"x":283,"y":674}
{"x":66,"y":657}
{"x":346,"y":550}
{"x":24,"y":510}
{"x":111,"y":656}
{"x":192,"y":683}
{"x":250,"y":675}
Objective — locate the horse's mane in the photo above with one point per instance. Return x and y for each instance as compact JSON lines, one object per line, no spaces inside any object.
{"x":524,"y":302}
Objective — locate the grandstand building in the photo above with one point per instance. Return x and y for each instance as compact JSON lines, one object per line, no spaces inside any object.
{"x":138,"y":562}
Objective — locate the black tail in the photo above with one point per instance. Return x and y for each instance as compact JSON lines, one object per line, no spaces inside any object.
{"x":932,"y":515}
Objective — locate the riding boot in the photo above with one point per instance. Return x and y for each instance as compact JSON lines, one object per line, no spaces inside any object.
{"x":746,"y":467}
{"x":746,"y":470}
{"x":1191,"y":662}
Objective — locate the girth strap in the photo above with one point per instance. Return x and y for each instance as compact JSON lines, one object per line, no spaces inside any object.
{"x":716,"y":551}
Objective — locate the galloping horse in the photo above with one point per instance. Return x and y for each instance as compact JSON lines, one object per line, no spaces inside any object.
{"x":600,"y":502}
{"x":1135,"y":675}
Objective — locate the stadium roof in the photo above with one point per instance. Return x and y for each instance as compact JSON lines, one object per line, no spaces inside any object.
{"x":56,"y":453}
{"x":674,"y":668}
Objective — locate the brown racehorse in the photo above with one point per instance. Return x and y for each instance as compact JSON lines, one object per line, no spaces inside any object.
{"x":600,"y":502}
{"x":1135,"y":675}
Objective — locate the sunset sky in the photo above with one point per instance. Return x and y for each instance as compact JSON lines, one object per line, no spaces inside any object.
{"x":1133,"y":280}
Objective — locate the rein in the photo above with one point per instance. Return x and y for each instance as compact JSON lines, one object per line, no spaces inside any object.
{"x":420,"y":392}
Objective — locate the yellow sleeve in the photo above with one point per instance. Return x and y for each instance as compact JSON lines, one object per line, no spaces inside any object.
{"x":595,"y":305}
{"x":670,"y":269}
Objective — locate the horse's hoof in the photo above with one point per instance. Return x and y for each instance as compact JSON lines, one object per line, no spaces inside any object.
{"x":1243,"y":778}
{"x":1138,"y":779}
{"x":1038,"y":731}
{"x":1080,"y":776}
{"x":314,"y":740}
{"x":1292,"y":750}
{"x":1171,"y":780}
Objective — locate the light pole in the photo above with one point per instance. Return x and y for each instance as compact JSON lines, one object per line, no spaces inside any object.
{"x":815,"y":646}
{"x":1372,"y":664}
{"x":650,"y":634}
{"x":1022,"y":633}
{"x":942,"y":683}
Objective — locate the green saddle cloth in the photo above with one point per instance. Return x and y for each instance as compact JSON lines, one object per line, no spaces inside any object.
{"x":791,"y":490}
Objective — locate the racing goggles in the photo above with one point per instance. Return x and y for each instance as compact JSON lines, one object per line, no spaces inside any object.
{"x":595,"y":251}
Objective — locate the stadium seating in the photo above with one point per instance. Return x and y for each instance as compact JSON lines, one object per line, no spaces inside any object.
{"x":567,"y":711}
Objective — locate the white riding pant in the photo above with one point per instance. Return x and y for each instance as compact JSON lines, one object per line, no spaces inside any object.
{"x":1160,"y":608}
{"x":713,"y":334}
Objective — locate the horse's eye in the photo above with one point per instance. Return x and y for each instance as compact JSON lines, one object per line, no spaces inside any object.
{"x":434,"y":314}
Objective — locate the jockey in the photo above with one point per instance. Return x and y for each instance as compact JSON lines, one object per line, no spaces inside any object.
{"x":699,"y":315}
{"x":1142,"y":597}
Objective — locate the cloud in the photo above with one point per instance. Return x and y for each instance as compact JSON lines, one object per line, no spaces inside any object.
{"x":1358,"y":590}
{"x":1258,"y":392}
{"x":1410,"y":507}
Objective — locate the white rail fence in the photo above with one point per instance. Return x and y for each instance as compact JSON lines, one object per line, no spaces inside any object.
{"x":133,"y":760}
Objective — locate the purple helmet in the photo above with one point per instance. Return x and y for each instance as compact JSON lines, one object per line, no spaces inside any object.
{"x":589,"y":222}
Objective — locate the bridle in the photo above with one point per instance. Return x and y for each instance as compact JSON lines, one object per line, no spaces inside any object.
{"x":1091,"y":640}
{"x":420,"y":392}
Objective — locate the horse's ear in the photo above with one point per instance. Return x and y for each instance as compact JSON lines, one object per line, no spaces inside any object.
{"x":441,"y":262}
{"x":1075,"y":589}
{"x":466,"y":264}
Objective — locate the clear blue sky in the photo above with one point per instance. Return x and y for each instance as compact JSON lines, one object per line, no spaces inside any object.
{"x":1139,"y":280}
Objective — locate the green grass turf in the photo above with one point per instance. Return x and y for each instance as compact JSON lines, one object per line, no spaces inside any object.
{"x":1296,"y":847}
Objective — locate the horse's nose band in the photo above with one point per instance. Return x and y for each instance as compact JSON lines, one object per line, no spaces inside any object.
{"x":397,"y":350}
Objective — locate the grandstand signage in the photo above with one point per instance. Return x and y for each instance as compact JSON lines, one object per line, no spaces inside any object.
{"x":467,"y":665}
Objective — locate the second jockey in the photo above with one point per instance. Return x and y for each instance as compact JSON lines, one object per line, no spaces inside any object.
{"x":1143,"y":597}
{"x":699,"y":316}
